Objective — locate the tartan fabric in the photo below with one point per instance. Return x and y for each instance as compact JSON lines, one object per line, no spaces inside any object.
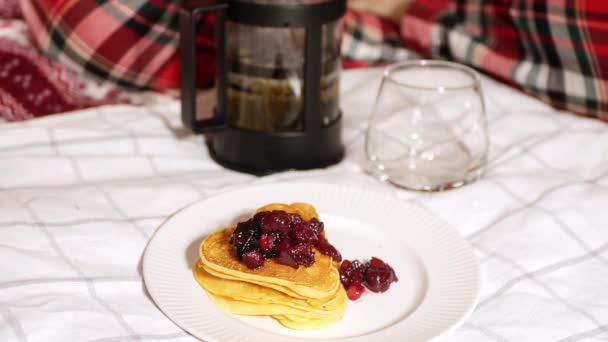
{"x":31,"y":85}
{"x":370,"y":40}
{"x":132,"y":43}
{"x":555,"y":50}
{"x":9,"y":9}
{"x":552,"y":49}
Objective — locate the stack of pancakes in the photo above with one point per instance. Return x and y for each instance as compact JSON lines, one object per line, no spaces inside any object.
{"x":303,"y":298}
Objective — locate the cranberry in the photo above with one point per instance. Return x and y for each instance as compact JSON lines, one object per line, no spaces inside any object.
{"x":304,"y":233}
{"x":253,"y":259}
{"x":302,"y":254}
{"x":326,"y":248}
{"x":268,"y":242}
{"x":378,"y":279}
{"x":376,"y":262}
{"x":376,"y":275}
{"x":295,"y":255}
{"x":355,"y":291}
{"x":295,"y":219}
{"x":257,"y":218}
{"x":346,"y":264}
{"x":379,"y":276}
{"x":284,"y":246}
{"x":286,"y":237}
{"x":244,"y":238}
{"x":379,"y":263}
{"x":275,"y":221}
{"x":317,"y":226}
{"x":285,"y":257}
{"x":352,"y":273}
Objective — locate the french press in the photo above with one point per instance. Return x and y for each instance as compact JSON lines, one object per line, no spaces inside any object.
{"x":277,"y":83}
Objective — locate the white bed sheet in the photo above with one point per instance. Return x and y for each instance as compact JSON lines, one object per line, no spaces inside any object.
{"x":81,"y":193}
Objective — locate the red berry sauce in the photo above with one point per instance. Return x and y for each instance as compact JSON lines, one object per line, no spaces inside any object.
{"x":375,"y":275}
{"x":287,"y":238}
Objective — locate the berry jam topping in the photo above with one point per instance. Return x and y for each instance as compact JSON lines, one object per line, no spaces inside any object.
{"x":287,"y":238}
{"x":253,"y":259}
{"x":268,"y":242}
{"x":326,"y":248}
{"x":355,"y":291}
{"x":375,"y":275}
{"x":302,"y":232}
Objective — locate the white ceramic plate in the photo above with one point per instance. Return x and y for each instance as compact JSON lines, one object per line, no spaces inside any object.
{"x":438,"y":271}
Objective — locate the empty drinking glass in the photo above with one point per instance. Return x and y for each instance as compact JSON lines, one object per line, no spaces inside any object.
{"x":427,"y":130}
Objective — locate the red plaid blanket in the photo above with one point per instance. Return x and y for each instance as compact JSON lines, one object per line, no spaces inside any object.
{"x":31,"y":84}
{"x":132,"y":43}
{"x":552,"y":49}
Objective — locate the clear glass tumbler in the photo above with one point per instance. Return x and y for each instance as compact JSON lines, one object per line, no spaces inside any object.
{"x":427,"y":130}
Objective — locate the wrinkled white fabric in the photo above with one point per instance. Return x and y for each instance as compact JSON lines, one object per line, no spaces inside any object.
{"x":81,"y":194}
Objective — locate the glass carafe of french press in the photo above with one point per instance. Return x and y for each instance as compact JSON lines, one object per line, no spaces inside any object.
{"x":277,"y":83}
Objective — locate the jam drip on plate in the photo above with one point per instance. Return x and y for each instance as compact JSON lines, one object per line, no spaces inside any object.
{"x":375,"y":275}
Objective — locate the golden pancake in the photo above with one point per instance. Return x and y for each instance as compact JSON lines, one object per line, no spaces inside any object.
{"x":252,"y":293}
{"x":279,"y":288}
{"x":292,"y":322}
{"x":252,"y":309}
{"x":287,"y":316}
{"x":317,"y":281}
{"x":305,"y":210}
{"x":299,"y":298}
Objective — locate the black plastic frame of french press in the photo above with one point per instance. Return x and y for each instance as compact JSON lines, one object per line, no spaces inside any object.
{"x":254,"y":151}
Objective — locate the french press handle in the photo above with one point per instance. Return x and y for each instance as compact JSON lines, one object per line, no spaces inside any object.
{"x":187,"y":22}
